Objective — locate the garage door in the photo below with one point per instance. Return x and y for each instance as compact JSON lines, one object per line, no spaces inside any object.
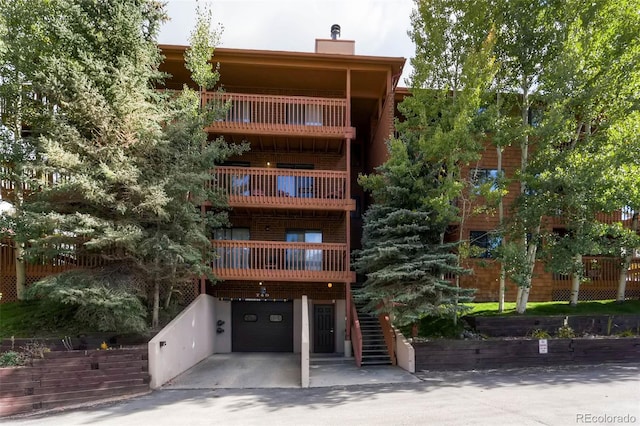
{"x":262,"y":327}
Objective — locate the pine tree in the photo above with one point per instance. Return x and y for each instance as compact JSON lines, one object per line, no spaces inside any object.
{"x":128,"y":167}
{"x":404,"y":260}
{"x":408,"y":265}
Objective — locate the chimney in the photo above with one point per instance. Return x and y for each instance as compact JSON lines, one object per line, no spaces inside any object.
{"x":334,"y":46}
{"x":335,"y":31}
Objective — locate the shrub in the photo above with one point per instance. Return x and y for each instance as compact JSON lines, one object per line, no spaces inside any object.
{"x":35,"y":349}
{"x":566,"y":332}
{"x":100,"y":304}
{"x":539,"y":334}
{"x":12,"y":359}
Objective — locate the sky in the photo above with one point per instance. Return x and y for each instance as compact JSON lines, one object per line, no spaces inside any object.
{"x":379,"y":27}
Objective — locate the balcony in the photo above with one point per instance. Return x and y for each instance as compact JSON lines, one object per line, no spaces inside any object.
{"x":283,"y":188}
{"x":274,"y":260}
{"x":281,"y":115}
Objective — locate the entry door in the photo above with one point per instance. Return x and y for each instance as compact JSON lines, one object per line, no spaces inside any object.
{"x":323,"y":333}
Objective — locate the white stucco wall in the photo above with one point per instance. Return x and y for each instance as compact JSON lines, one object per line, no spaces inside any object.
{"x":184,"y":342}
{"x":304,"y":343}
{"x":405,"y":353}
{"x":297,"y":324}
{"x":223,"y":313}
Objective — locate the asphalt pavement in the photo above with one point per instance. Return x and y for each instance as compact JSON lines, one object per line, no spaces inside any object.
{"x":604,"y":394}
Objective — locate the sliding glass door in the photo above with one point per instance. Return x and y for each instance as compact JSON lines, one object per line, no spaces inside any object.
{"x":304,"y":259}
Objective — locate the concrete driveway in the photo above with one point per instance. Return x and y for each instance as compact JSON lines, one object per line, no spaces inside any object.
{"x":281,"y":370}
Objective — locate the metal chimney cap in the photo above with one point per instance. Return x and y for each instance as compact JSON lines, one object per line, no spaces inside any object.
{"x":335,"y":31}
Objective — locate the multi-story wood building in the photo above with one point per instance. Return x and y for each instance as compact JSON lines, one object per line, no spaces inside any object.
{"x":312,"y":121}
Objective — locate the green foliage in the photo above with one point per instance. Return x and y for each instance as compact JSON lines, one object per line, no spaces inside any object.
{"x":100,"y":305}
{"x":565,"y":332}
{"x":404,"y":256}
{"x":603,"y":307}
{"x":35,"y":349}
{"x":198,"y":57}
{"x":129,"y":168}
{"x":435,"y":326}
{"x":12,"y":359}
{"x":539,"y":334}
{"x":35,"y":318}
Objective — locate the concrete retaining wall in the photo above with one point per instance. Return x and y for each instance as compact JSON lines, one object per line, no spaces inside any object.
{"x":405,"y":353}
{"x":185,"y":341}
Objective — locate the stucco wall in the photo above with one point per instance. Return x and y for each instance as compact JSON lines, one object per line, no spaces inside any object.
{"x":297,"y":323}
{"x":223,"y":313}
{"x":405,"y":354}
{"x":184,"y":342}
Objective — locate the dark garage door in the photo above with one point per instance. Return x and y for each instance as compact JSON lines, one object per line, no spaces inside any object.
{"x":262,"y":327}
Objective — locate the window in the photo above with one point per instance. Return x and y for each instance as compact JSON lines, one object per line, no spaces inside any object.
{"x":481,"y":177}
{"x":275,"y":318}
{"x":238,"y":184}
{"x":313,"y":115}
{"x":293,"y":185}
{"x":240,"y":112}
{"x":232,"y":257}
{"x":483,"y":244}
{"x":304,"y":259}
{"x":305,"y":114}
{"x":535,"y":115}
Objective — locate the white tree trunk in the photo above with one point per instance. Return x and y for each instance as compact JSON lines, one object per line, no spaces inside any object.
{"x":624,"y":269}
{"x":521,"y":307}
{"x":523,"y":291}
{"x":576,"y":278}
{"x":21,"y":272}
{"x":155,"y":320}
{"x":501,"y":284}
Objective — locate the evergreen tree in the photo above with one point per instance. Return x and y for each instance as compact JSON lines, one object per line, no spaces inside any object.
{"x":128,"y":168}
{"x":417,"y":192}
{"x":404,"y":260}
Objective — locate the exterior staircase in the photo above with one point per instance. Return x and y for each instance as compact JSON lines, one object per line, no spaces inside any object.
{"x":374,"y":348}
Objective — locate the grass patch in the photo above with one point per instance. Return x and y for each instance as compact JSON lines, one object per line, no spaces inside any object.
{"x":37,"y":319}
{"x":598,"y":307}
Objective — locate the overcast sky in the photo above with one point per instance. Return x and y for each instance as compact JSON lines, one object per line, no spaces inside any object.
{"x":379,"y":27}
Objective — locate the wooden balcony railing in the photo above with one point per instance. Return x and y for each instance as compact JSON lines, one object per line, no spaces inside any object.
{"x":283,"y":188}
{"x":261,"y":260}
{"x":356,"y":335}
{"x":389,"y":337}
{"x":281,"y":115}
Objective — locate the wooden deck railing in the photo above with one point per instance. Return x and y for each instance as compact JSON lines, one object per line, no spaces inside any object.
{"x":356,"y":335}
{"x":43,"y":266}
{"x":389,"y":337}
{"x":260,"y":260}
{"x":603,"y":269}
{"x":283,"y":188}
{"x":301,"y":115}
